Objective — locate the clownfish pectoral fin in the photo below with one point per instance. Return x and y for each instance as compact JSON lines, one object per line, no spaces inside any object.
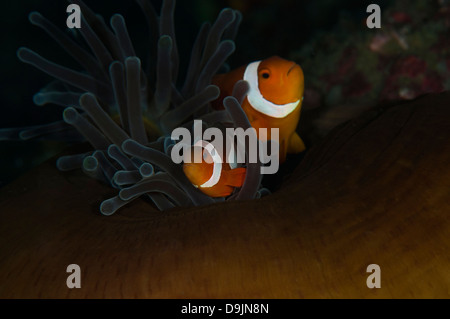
{"x":235,"y":177}
{"x":296,"y":144}
{"x":282,"y":151}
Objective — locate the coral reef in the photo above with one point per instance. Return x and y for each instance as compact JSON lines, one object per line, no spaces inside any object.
{"x":354,"y":68}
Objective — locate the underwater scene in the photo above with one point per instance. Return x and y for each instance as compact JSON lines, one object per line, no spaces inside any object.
{"x":229,"y":149}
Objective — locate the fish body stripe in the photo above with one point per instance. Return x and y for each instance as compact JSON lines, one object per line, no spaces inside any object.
{"x":217,"y":168}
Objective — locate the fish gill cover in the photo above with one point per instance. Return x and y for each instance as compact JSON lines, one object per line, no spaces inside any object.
{"x":127,"y":112}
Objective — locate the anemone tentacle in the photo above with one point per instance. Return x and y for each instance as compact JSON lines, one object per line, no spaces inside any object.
{"x":121,"y":108}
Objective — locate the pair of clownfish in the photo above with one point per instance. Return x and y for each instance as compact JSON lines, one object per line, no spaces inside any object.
{"x":273,"y":101}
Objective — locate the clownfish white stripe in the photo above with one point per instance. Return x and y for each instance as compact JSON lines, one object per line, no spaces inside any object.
{"x":258,"y":102}
{"x":217,"y":168}
{"x":232,"y":159}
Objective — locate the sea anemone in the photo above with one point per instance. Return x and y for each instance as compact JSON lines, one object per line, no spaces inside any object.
{"x":126,"y":113}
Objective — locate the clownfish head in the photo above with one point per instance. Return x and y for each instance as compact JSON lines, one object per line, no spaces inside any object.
{"x":276,"y":86}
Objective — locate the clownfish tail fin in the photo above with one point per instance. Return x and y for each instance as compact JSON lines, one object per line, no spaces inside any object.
{"x":235,"y":177}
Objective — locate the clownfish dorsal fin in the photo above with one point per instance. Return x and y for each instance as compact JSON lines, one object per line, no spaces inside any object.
{"x":257,"y":100}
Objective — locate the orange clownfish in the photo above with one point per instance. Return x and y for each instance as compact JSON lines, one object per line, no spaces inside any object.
{"x":274,"y":99}
{"x":211,"y":174}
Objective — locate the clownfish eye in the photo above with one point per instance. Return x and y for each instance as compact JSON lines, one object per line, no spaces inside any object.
{"x":265,"y":75}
